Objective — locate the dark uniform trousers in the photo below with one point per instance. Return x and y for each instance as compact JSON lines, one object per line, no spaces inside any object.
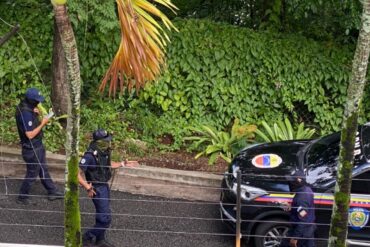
{"x":103,"y":216}
{"x":35,"y":159}
{"x":306,"y":240}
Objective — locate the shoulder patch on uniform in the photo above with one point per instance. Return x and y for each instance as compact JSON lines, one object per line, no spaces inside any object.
{"x":83,"y":161}
{"x":266,"y":161}
{"x":30,"y":123}
{"x":358,"y":218}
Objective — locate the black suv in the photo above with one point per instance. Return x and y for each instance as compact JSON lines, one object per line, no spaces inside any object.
{"x":264,"y":187}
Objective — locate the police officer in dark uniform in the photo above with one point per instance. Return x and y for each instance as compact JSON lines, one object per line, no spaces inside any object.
{"x":302,"y":213}
{"x":96,"y":165}
{"x":33,"y":150}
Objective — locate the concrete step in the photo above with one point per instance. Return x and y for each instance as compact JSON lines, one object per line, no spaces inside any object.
{"x":140,"y":180}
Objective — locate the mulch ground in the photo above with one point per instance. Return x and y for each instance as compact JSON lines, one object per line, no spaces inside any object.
{"x":183,"y":161}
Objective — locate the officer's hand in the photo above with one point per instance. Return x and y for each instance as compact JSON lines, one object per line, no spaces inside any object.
{"x":285,"y":206}
{"x":91,"y":191}
{"x":293,"y":242}
{"x":131,"y":163}
{"x":44,"y":121}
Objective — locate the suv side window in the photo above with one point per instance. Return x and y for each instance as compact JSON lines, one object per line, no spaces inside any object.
{"x":322,"y":164}
{"x":361,"y":184}
{"x":365,"y":138}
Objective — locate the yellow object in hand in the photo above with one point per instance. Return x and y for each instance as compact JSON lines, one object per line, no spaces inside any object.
{"x":58,"y":2}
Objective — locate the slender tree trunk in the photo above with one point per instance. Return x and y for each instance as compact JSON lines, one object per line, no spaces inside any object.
{"x":339,"y":219}
{"x":59,"y":86}
{"x":7,"y":36}
{"x":72,"y":218}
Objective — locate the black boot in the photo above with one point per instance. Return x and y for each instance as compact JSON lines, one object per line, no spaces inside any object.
{"x":55,"y":196}
{"x":87,"y":241}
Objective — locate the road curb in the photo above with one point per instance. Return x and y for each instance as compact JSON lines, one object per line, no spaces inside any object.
{"x":146,"y":180}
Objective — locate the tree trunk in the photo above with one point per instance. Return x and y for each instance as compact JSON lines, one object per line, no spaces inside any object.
{"x":59,"y":86}
{"x":339,"y":219}
{"x":72,"y":220}
{"x":7,"y":36}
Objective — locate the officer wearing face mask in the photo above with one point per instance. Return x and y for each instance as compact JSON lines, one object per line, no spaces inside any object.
{"x":33,"y":151}
{"x":302,"y":213}
{"x":96,"y":165}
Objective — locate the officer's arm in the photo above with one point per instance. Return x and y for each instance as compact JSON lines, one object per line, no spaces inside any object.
{"x":82,"y":180}
{"x":302,"y":211}
{"x":31,"y":134}
{"x":125,"y":163}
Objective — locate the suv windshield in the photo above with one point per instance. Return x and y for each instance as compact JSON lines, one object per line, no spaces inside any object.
{"x":321,"y":160}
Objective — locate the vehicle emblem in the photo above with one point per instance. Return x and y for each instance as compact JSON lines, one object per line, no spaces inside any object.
{"x":266,"y":161}
{"x":358,"y":218}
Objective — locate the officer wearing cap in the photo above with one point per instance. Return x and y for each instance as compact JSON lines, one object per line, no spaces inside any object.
{"x":302,"y":213}
{"x":96,"y":165}
{"x":33,"y":151}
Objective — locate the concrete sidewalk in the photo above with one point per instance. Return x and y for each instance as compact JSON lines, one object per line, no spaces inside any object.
{"x":145,"y":180}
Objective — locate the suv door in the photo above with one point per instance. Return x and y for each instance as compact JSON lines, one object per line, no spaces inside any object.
{"x":359,"y":226}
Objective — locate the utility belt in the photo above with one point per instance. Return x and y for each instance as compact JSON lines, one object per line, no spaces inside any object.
{"x":97,"y":184}
{"x":30,"y":145}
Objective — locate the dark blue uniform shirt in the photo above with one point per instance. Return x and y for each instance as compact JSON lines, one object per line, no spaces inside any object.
{"x":88,"y":161}
{"x":27,"y":120}
{"x":303,"y":201}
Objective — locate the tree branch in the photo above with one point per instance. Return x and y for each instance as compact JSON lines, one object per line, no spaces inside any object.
{"x":7,"y":36}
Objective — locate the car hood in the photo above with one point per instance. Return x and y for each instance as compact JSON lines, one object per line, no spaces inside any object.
{"x":274,"y":159}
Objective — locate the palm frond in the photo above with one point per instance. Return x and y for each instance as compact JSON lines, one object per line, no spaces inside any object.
{"x":143,"y":40}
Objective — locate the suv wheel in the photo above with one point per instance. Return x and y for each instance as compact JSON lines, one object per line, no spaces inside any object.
{"x":271,"y":233}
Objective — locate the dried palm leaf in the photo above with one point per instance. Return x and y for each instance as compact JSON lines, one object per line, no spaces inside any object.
{"x":143,"y":40}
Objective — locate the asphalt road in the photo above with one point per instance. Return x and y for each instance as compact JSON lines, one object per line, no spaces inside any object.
{"x":137,"y":220}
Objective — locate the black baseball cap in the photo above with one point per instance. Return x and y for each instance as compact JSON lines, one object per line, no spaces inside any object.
{"x":102,"y":134}
{"x":34,"y":94}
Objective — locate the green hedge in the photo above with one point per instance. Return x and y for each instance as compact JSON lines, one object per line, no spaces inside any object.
{"x":216,"y":72}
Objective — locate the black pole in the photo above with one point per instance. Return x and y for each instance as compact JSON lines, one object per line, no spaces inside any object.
{"x":238,"y":209}
{"x":7,"y":36}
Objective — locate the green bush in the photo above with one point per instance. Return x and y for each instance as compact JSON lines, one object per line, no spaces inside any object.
{"x":283,"y":130}
{"x":222,"y":144}
{"x":216,"y":72}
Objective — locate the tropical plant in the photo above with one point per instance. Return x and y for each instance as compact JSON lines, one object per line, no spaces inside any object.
{"x":140,"y":54}
{"x":221,"y":143}
{"x":283,"y":130}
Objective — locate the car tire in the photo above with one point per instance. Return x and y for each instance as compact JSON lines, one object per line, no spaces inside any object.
{"x":269,"y":234}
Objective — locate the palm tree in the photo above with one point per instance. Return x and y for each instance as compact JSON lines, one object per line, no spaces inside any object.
{"x":137,"y":61}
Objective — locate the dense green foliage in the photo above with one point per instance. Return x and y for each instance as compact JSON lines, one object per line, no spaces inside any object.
{"x":214,"y":74}
{"x":335,"y":20}
{"x":283,"y":130}
{"x":218,"y":72}
{"x":221,"y":143}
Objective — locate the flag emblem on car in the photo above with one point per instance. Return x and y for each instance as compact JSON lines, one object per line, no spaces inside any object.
{"x":266,"y":161}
